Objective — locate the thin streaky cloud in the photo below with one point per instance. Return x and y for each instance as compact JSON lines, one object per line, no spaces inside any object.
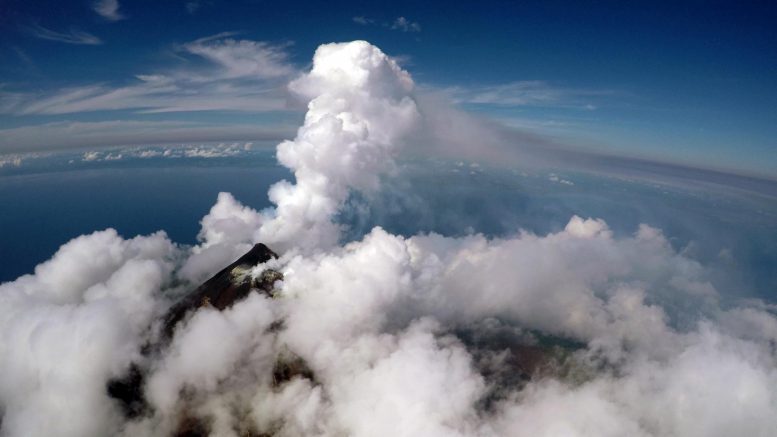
{"x":22,"y":55}
{"x":239,"y":75}
{"x":108,"y":9}
{"x":73,"y":134}
{"x":169,"y":95}
{"x":241,"y":58}
{"x":72,"y":36}
{"x":536,"y":93}
{"x":220,"y":35}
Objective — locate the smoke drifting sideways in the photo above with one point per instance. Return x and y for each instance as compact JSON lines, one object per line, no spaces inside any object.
{"x":426,"y":335}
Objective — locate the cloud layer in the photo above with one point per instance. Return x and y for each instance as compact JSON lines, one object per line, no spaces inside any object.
{"x":224,"y":74}
{"x":575,"y":332}
{"x":235,"y":77}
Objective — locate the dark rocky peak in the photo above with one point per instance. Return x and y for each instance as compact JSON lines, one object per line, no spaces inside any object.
{"x":220,"y":292}
{"x":226,"y":287}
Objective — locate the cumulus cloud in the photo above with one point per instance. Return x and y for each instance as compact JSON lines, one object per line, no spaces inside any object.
{"x":90,"y":156}
{"x":556,"y":178}
{"x":576,"y":332}
{"x":360,"y":108}
{"x":227,"y":232}
{"x":375,"y":320}
{"x":76,"y":322}
{"x":192,"y":151}
{"x":11,"y":161}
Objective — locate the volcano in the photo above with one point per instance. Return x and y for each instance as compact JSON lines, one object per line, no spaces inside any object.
{"x":230,"y":285}
{"x":226,"y":287}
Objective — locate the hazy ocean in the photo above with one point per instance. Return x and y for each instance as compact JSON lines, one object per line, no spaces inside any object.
{"x":50,"y":200}
{"x":44,"y":208}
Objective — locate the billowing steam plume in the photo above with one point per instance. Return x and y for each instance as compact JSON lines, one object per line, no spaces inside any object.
{"x":360,"y":109}
{"x":574,"y":333}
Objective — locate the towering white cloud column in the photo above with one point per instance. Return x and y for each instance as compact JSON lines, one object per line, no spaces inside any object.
{"x":360,"y":108}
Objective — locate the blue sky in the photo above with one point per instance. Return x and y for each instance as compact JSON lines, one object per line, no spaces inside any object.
{"x":691,"y":83}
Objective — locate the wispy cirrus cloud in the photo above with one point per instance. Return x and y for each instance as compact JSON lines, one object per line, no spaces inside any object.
{"x":218,"y":74}
{"x":241,"y":58}
{"x":75,"y":134}
{"x":108,"y":9}
{"x":530,"y":93}
{"x":149,"y":94}
{"x":237,"y":75}
{"x":72,"y":36}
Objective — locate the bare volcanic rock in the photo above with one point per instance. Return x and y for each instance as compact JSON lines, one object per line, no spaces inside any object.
{"x":226,"y":287}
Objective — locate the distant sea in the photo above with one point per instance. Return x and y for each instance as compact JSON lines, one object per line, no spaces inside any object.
{"x":43,"y":208}
{"x":46,"y":201}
